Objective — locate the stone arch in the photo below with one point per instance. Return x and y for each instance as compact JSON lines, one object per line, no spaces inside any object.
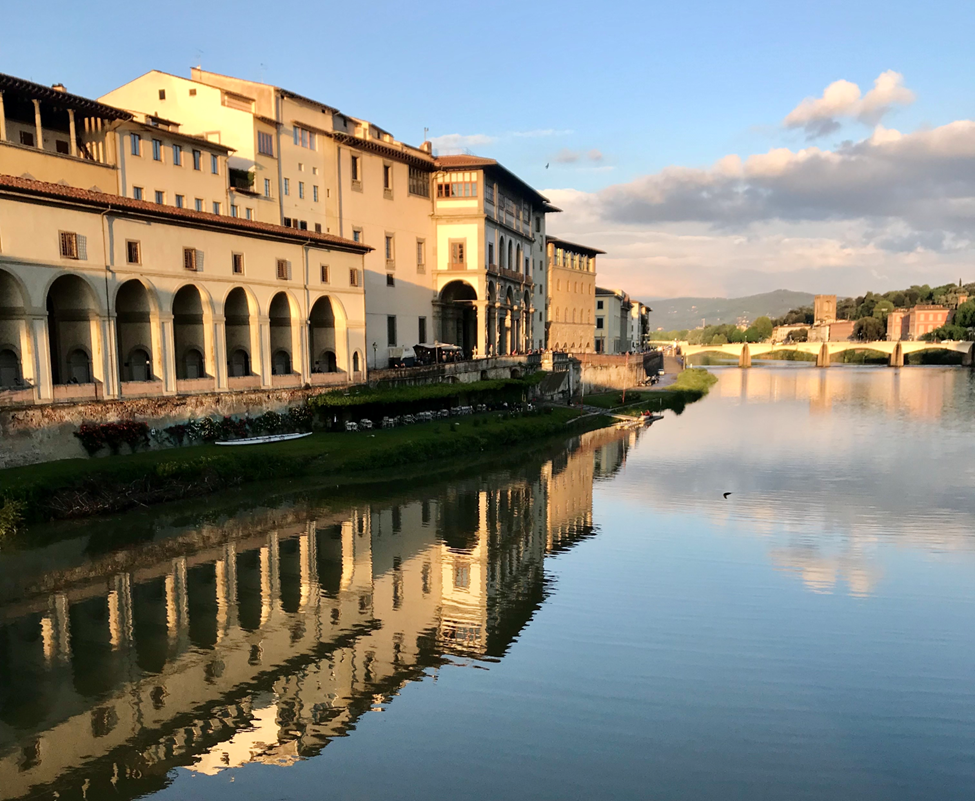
{"x":501,"y":262}
{"x":238,"y":363}
{"x":74,"y":329}
{"x":241,"y":331}
{"x":283,"y":314}
{"x":515,"y":372}
{"x":509,"y":297}
{"x":326,"y":335}
{"x":281,"y":362}
{"x":136,"y":306}
{"x":511,"y":266}
{"x":492,"y":291}
{"x":518,"y":266}
{"x":458,"y":315}
{"x":10,"y":375}
{"x":15,"y":335}
{"x":192,"y":316}
{"x":356,"y":362}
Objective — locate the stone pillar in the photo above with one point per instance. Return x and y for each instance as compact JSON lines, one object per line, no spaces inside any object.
{"x":120,"y":610}
{"x":220,"y":348}
{"x":177,"y":605}
{"x":111,"y":385}
{"x":3,"y":121}
{"x":44,"y":380}
{"x":745,"y":358}
{"x":167,"y":355}
{"x":822,"y":360}
{"x":55,"y":630}
{"x":37,"y":125}
{"x":265,"y":354}
{"x":897,"y":357}
{"x":482,"y":327}
{"x":210,"y":347}
{"x":308,"y":564}
{"x":72,"y":132}
{"x":300,"y":356}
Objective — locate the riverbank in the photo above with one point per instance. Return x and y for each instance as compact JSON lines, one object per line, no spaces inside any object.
{"x":78,"y":488}
{"x":689,"y":385}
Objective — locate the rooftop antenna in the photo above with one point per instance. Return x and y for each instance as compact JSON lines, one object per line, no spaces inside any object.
{"x":425,"y":132}
{"x":263,"y":73}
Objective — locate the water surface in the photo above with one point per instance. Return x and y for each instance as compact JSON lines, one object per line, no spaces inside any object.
{"x":597,"y":621}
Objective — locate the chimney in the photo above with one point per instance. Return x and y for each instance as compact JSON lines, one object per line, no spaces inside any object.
{"x":59,"y":87}
{"x":427,"y":147}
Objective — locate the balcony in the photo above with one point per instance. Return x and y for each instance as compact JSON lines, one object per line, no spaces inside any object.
{"x":239,"y":382}
{"x":141,"y":389}
{"x":286,"y":380}
{"x":191,"y":385}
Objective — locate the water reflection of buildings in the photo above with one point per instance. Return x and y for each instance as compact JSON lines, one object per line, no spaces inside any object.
{"x":277,"y":633}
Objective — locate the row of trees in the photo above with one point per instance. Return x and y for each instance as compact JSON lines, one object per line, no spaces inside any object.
{"x":758,"y":331}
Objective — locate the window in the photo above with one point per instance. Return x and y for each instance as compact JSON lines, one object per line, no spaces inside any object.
{"x":160,"y":197}
{"x":314,"y":170}
{"x":422,"y":330}
{"x":390,"y":279}
{"x":314,"y":193}
{"x":599,"y":322}
{"x":491,"y":253}
{"x":287,"y":186}
{"x":73,"y":246}
{"x":538,"y":224}
{"x":389,"y":249}
{"x":192,"y":92}
{"x":421,"y":255}
{"x":267,"y":187}
{"x":457,"y":254}
{"x":233,"y":210}
{"x":62,"y":147}
{"x":284,"y":270}
{"x":191,"y":259}
{"x":179,"y":201}
{"x":197,"y":160}
{"x":237,"y":263}
{"x":27,"y":138}
{"x":357,"y":172}
{"x":419,"y":183}
{"x":199,"y":204}
{"x":325,"y":275}
{"x":135,"y":144}
{"x":265,"y":143}
{"x":599,"y":304}
{"x":137,"y":192}
{"x":304,"y":138}
{"x":391,"y":330}
{"x":353,"y":277}
{"x":214,"y":164}
{"x":286,"y":222}
{"x":249,"y":213}
{"x":303,"y":225}
{"x":357,"y":235}
{"x":178,"y":155}
{"x":387,"y":180}
{"x":156,"y":150}
{"x":318,"y":228}
{"x":132,"y":252}
{"x":216,"y":207}
{"x":301,"y":189}
{"x":162,"y":94}
{"x":463,"y":185}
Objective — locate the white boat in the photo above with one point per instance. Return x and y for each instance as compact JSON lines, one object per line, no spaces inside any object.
{"x":265,"y":439}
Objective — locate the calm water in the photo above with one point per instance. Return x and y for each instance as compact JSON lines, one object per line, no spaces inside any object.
{"x":595,"y":622}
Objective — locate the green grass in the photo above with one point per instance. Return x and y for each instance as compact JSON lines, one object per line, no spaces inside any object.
{"x":84,"y":487}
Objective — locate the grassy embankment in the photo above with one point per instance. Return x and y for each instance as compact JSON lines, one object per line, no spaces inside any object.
{"x":691,"y":385}
{"x":84,"y":487}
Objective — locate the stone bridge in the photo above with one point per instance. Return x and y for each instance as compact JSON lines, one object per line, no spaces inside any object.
{"x":824,"y":351}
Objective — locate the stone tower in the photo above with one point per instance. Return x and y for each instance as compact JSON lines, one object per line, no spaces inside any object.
{"x":824,"y":309}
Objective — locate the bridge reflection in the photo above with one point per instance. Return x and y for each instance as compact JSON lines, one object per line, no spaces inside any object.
{"x":261,"y":637}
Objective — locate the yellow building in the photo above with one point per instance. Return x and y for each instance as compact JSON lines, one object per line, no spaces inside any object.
{"x":571,"y":295}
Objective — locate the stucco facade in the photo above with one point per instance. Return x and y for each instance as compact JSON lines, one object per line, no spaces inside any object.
{"x":571,"y":295}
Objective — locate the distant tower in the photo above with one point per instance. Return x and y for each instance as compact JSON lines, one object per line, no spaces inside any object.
{"x":824,"y":309}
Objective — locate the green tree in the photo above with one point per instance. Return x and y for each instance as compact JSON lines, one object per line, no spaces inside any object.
{"x":965,"y":315}
{"x":869,"y":329}
{"x":950,"y":331}
{"x":799,"y":335}
{"x":882,"y":309}
{"x":764,"y":326}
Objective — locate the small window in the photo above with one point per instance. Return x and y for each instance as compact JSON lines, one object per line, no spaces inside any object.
{"x":216,"y":207}
{"x":238,"y":263}
{"x":421,"y":255}
{"x":301,"y":189}
{"x":287,"y":186}
{"x":233,"y":210}
{"x":314,"y":193}
{"x":27,"y":138}
{"x":267,"y":187}
{"x":265,"y":143}
{"x":62,"y":147}
{"x":137,"y":192}
{"x":353,"y":277}
{"x":162,"y":94}
{"x":160,"y":197}
{"x":132,"y":252}
{"x":249,"y":213}
{"x":457,"y":254}
{"x":156,"y":150}
{"x":419,"y":183}
{"x":357,"y":235}
{"x":599,"y":322}
{"x":301,"y":167}
{"x":325,"y":276}
{"x":387,"y":180}
{"x":357,"y":172}
{"x":422,"y":330}
{"x":180,"y":201}
{"x":72,"y":245}
{"x":190,"y":261}
{"x":135,"y":144}
{"x":199,"y":204}
{"x":178,"y":155}
{"x":391,"y":330}
{"x":390,"y":279}
{"x":214,"y":164}
{"x":197,"y":160}
{"x":491,"y":253}
{"x":303,"y":225}
{"x":538,"y":224}
{"x":192,"y":92}
{"x":286,"y":222}
{"x":599,"y":304}
{"x":283,"y":270}
{"x":318,"y":228}
{"x":389,"y":249}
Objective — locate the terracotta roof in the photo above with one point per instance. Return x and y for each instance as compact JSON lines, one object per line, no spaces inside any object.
{"x":479,"y":162}
{"x":574,"y":246}
{"x":411,"y":156}
{"x":65,"y":99}
{"x":122,"y":205}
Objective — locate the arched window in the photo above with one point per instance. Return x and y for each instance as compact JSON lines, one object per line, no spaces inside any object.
{"x":327,"y":362}
{"x":193,"y":364}
{"x":140,"y":368}
{"x":79,"y":367}
{"x":281,"y":363}
{"x":355,"y":362}
{"x":9,"y":369}
{"x":239,"y":363}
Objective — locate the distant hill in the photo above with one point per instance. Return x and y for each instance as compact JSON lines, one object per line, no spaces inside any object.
{"x":676,"y":313}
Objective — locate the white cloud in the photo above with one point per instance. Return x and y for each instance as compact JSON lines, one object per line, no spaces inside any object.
{"x":567,"y":156}
{"x":541,"y":132}
{"x":820,"y":115}
{"x":461,"y":141}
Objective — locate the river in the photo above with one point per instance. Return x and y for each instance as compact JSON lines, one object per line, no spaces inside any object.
{"x":592,"y":621}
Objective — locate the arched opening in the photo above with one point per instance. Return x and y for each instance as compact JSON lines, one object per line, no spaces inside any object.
{"x":237,"y":324}
{"x":322,"y":335}
{"x":517,"y":264}
{"x":511,"y":263}
{"x":13,"y":332}
{"x":501,"y":261}
{"x":9,"y":369}
{"x":138,"y":365}
{"x":134,"y":330}
{"x":188,"y":333}
{"x":281,"y":335}
{"x":72,"y":320}
{"x":281,"y":362}
{"x":484,"y":375}
{"x":356,"y":362}
{"x":326,"y":362}
{"x":458,"y":316}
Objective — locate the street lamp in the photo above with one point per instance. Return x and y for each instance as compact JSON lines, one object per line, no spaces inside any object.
{"x":375,"y":358}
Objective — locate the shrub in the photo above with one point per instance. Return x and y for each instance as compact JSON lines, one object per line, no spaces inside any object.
{"x":95,"y":436}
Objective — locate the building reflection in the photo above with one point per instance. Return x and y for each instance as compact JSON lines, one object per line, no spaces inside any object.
{"x":262,"y":637}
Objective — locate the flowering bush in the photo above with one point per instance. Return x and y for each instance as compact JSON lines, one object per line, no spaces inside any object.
{"x":95,"y":436}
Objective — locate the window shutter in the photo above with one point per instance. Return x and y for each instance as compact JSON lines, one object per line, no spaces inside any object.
{"x":288,"y":270}
{"x":199,"y":261}
{"x":82,"y":247}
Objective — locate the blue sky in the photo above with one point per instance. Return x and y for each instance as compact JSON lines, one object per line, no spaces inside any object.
{"x":608,"y":93}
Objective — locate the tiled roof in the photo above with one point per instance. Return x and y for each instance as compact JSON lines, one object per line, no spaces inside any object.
{"x":467,"y":162}
{"x":28,"y":186}
{"x":411,"y":156}
{"x":565,"y":243}
{"x":64,"y":99}
{"x":458,"y":162}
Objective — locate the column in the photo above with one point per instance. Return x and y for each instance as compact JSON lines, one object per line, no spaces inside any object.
{"x":482,"y":327}
{"x":168,"y":354}
{"x":3,"y":121}
{"x":55,"y":630}
{"x":73,"y":144}
{"x":220,"y":351}
{"x":37,"y":125}
{"x":177,"y":605}
{"x":110,"y":360}
{"x":120,"y":610}
{"x":265,"y":355}
{"x":308,"y":564}
{"x":300,"y":333}
{"x":44,"y":380}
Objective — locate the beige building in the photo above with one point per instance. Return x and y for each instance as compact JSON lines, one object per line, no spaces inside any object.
{"x":571,"y":296}
{"x":613,"y":311}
